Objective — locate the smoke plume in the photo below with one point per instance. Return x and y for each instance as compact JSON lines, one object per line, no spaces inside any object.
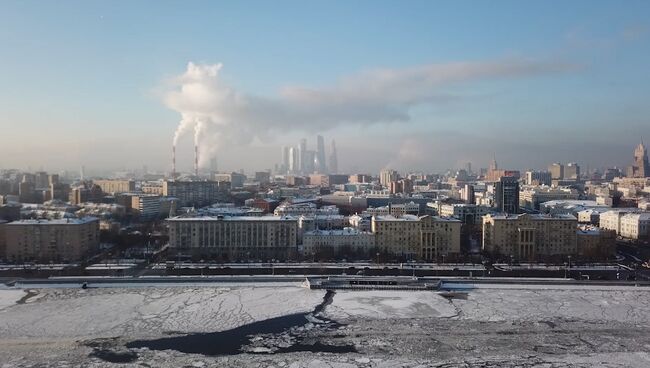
{"x":218,"y":114}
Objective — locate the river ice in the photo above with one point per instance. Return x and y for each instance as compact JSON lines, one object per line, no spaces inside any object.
{"x":525,"y":326}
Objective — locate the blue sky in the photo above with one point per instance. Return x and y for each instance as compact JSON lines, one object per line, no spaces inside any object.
{"x":78,"y":78}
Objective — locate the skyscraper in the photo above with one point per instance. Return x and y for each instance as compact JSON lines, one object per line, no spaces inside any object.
{"x":213,"y":164}
{"x":302,"y":156}
{"x":285,"y":160}
{"x":640,"y":168}
{"x":310,"y":158}
{"x":571,"y":171}
{"x":493,"y":164}
{"x":506,"y":196}
{"x":334,"y":163}
{"x":321,"y":166}
{"x":293,"y":160}
{"x":387,"y":176}
{"x":557,"y":171}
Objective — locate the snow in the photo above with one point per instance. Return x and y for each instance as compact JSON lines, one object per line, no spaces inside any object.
{"x":486,"y":325}
{"x":620,"y":305}
{"x":389,"y":304}
{"x":150,"y":311}
{"x":9,"y":297}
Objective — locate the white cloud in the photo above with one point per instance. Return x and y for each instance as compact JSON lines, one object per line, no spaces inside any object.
{"x":219,"y":114}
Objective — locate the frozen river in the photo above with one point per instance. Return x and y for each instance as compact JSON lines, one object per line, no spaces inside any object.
{"x":283,"y":324}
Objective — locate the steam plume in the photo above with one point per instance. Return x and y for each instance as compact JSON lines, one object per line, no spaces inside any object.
{"x":218,"y":114}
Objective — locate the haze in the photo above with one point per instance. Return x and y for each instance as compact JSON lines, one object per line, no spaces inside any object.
{"x":420,"y":85}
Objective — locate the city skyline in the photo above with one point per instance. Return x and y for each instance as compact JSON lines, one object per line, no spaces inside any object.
{"x":570,"y":89}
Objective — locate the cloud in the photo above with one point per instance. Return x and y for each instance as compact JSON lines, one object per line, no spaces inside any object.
{"x":218,"y":114}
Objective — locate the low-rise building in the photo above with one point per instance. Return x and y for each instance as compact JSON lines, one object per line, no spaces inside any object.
{"x":52,"y":240}
{"x":114,"y":186}
{"x":611,"y":220}
{"x":361,"y":222}
{"x":466,"y":213}
{"x":397,"y":210}
{"x":635,"y":225}
{"x":347,"y":239}
{"x":532,"y":197}
{"x":304,"y":209}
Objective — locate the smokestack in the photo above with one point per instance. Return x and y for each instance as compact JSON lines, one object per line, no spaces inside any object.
{"x":196,"y":160}
{"x":174,"y":161}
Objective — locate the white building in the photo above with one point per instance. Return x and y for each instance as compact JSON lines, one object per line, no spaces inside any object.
{"x":532,"y":197}
{"x":396,"y":210}
{"x":304,"y":209}
{"x":611,"y":220}
{"x":360,"y":222}
{"x":635,"y":225}
{"x":316,"y":240}
{"x":466,"y":213}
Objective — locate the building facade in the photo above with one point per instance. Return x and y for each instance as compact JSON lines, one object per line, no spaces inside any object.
{"x":641,"y":167}
{"x":195,"y":193}
{"x":337,"y":241}
{"x":635,"y":225}
{"x":51,"y":240}
{"x":233,"y":238}
{"x":506,"y":195}
{"x":466,"y":213}
{"x":529,"y":236}
{"x":111,"y":186}
{"x":538,"y":178}
{"x":532,"y":197}
{"x":425,"y":237}
{"x":595,"y":243}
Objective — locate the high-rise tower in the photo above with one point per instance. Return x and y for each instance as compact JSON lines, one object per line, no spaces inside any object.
{"x":302,"y":156}
{"x":640,"y":168}
{"x":506,"y":196}
{"x":334,"y":162}
{"x":285,"y":159}
{"x":320,"y":155}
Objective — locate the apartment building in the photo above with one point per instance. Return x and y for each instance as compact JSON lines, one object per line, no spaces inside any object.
{"x":51,"y":240}
{"x":232,"y":238}
{"x":528,"y":236}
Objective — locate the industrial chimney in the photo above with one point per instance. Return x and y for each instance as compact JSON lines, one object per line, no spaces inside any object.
{"x":174,"y":161}
{"x":196,"y":160}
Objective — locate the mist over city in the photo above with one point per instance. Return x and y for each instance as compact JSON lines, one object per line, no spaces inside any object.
{"x":324,"y":184}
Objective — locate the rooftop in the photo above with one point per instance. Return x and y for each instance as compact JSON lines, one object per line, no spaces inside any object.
{"x":345,"y":231}
{"x":231,"y":218}
{"x":533,"y":216}
{"x":63,"y":221}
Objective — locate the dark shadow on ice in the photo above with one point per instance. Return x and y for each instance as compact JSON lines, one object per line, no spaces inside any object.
{"x":237,"y":340}
{"x":103,"y":349}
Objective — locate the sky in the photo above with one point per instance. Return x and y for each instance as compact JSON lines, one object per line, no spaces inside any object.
{"x":411,"y":85}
